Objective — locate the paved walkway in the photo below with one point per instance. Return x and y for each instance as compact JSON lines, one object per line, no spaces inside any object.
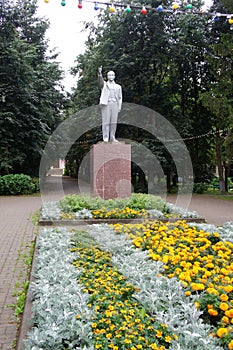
{"x":17,"y":232}
{"x":215,"y":211}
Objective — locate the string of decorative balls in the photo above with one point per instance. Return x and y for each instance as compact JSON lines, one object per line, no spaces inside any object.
{"x":160,"y":8}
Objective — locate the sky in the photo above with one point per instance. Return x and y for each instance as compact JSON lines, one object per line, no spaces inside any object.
{"x":66,"y":31}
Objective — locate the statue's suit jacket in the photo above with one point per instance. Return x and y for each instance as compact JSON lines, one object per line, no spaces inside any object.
{"x":106,"y":92}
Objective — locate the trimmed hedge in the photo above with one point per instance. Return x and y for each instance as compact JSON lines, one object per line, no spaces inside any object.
{"x":15,"y":184}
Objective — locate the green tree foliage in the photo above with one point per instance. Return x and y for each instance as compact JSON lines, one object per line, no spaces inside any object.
{"x":161,"y":62}
{"x":218,"y":98}
{"x":30,"y":97}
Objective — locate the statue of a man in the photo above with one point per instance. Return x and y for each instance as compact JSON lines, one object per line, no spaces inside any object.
{"x":110,"y":103}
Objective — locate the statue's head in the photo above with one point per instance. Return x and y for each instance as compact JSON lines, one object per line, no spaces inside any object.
{"x":111,"y":75}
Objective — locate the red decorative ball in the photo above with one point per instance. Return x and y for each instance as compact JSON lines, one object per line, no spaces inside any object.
{"x":80,"y":6}
{"x":144,"y":11}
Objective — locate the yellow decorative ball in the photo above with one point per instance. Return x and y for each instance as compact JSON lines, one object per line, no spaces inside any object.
{"x":175,"y":6}
{"x":112,"y":9}
{"x":230,"y":21}
{"x":46,"y":1}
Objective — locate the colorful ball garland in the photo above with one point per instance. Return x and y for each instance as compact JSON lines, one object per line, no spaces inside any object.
{"x":160,"y":8}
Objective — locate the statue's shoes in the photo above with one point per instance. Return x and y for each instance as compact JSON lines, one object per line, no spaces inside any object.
{"x":114,"y":140}
{"x":105,"y":140}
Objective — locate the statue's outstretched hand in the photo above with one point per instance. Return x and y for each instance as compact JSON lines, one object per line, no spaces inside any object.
{"x":100,"y":70}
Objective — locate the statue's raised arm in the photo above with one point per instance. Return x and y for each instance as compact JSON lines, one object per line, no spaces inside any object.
{"x":100,"y":78}
{"x":110,"y":102}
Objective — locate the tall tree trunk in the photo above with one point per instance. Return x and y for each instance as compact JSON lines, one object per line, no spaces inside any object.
{"x":219,"y":163}
{"x":227,"y":172}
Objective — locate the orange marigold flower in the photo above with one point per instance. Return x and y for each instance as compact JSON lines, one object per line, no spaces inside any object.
{"x":229,"y":313}
{"x":213,"y":312}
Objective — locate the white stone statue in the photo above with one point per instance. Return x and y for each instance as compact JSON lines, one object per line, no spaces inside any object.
{"x":110,"y":103}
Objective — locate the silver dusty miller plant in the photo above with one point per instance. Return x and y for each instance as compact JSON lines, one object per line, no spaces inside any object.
{"x":57,"y":297}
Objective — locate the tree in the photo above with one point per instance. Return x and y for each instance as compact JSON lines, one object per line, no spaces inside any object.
{"x":218,"y":98}
{"x":30,"y":98}
{"x":160,"y":60}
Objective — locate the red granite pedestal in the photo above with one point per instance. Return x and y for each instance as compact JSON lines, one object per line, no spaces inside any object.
{"x":111,"y":170}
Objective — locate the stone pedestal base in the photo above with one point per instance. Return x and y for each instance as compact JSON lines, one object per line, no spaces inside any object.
{"x":111,"y":170}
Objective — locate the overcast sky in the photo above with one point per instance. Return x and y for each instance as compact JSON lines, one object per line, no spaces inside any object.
{"x":65,"y":32}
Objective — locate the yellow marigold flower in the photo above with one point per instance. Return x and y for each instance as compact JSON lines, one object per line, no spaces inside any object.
{"x":228,"y":289}
{"x":141,"y":327}
{"x":108,"y":313}
{"x":168,"y":339}
{"x":230,"y":345}
{"x":224,"y":271}
{"x":212,"y":291}
{"x":221,"y":332}
{"x":94,"y":325}
{"x":209,"y":266}
{"x":158,"y":333}
{"x":225,"y":319}
{"x":223,"y":306}
{"x":139,"y":346}
{"x":213,"y":312}
{"x":153,"y":346}
{"x":197,"y":304}
{"x":224,"y":297}
{"x":197,"y":286}
{"x":118,"y":335}
{"x":98,"y":346}
{"x":188,"y":293}
{"x":109,"y":335}
{"x":141,"y":338}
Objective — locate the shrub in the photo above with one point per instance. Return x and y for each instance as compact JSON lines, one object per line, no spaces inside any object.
{"x":200,"y":187}
{"x":14,"y":184}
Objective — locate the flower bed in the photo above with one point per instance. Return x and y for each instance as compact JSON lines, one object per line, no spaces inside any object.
{"x":200,"y":260}
{"x":75,"y":209}
{"x":104,"y":290}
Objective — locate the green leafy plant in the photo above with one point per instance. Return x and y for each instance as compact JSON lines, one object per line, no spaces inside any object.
{"x":15,"y":184}
{"x":138,"y":201}
{"x":200,"y":187}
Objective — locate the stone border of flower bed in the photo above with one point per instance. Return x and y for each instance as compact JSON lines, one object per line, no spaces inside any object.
{"x":48,"y":222}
